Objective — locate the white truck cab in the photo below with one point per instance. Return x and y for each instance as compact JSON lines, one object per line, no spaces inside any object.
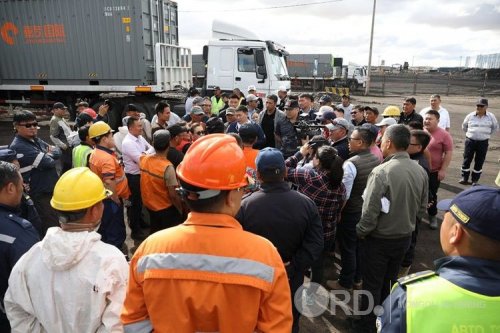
{"x":237,"y":58}
{"x":356,"y":73}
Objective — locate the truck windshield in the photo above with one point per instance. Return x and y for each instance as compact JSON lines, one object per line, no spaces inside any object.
{"x":278,"y":66}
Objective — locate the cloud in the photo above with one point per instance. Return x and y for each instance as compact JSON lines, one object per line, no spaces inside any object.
{"x":485,"y":16}
{"x":425,"y":32}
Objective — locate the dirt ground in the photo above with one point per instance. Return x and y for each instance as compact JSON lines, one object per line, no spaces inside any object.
{"x":428,"y":248}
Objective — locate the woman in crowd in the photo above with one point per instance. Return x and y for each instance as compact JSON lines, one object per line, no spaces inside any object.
{"x":323,"y":184}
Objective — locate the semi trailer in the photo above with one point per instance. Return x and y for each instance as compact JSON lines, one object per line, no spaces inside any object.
{"x":324,"y":70}
{"x":306,"y":72}
{"x":125,"y":51}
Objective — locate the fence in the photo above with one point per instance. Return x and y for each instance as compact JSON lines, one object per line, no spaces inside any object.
{"x":479,"y":84}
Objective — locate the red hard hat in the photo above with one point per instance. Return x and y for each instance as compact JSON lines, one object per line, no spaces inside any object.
{"x":90,"y":112}
{"x":214,"y":162}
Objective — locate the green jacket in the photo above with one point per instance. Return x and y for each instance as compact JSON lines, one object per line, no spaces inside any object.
{"x":404,"y":184}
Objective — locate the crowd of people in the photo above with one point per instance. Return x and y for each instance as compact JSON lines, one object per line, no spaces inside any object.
{"x":199,"y":190}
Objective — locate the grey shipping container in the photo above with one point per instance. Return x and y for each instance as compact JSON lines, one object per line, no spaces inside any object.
{"x":83,"y":42}
{"x":302,"y":65}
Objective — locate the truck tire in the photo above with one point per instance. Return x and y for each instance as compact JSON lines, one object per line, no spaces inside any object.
{"x":179,"y":109}
{"x":353,"y":85}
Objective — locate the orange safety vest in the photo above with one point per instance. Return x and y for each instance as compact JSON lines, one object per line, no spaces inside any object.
{"x":105,"y":164}
{"x":207,"y":275}
{"x":153,"y":189}
{"x":250,"y":156}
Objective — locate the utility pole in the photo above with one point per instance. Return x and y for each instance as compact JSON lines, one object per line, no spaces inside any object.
{"x":369,"y":74}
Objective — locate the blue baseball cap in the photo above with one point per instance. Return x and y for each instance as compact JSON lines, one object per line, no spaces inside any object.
{"x":477,"y":209}
{"x":270,"y":160}
{"x":8,"y":155}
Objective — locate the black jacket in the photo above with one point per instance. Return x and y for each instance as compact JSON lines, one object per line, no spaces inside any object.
{"x":287,"y":218}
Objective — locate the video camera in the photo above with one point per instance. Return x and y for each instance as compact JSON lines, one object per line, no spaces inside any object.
{"x":307,"y":128}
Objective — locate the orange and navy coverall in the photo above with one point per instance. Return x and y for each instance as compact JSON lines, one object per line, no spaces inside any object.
{"x":207,"y":275}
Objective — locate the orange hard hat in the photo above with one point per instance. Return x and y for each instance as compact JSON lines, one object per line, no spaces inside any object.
{"x":214,"y":162}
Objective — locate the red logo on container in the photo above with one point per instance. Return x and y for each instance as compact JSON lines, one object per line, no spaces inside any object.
{"x":34,"y":34}
{"x":8,"y":31}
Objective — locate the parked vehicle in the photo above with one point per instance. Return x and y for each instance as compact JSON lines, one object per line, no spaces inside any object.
{"x":237,"y":58}
{"x":69,"y":50}
{"x":323,"y":70}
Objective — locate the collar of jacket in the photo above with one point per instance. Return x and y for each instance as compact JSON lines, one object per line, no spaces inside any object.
{"x":212,"y":220}
{"x":107,"y":150}
{"x":32,"y":141}
{"x":397,"y":156}
{"x":275,"y":187}
{"x":10,"y":209}
{"x":360,"y":152}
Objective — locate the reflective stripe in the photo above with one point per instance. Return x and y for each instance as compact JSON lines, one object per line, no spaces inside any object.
{"x":122,"y":178}
{"x":207,"y":263}
{"x":36,"y":162}
{"x":7,"y":239}
{"x":26,"y":169}
{"x":465,"y":170}
{"x":151,"y":174}
{"x":143,"y":326}
{"x":38,"y":159}
{"x":475,"y":171}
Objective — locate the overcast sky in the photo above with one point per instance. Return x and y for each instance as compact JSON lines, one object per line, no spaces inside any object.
{"x":422,"y":32}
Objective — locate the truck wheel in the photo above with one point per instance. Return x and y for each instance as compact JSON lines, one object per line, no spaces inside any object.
{"x":353,"y":85}
{"x":179,"y":109}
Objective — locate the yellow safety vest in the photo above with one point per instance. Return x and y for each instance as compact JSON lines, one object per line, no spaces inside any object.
{"x":434,"y":304}
{"x":216,"y":106}
{"x":81,"y":155}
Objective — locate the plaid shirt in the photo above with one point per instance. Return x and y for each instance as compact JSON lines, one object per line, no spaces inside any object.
{"x":316,"y":185}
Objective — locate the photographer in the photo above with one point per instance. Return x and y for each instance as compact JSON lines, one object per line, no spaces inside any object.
{"x":286,"y":133}
{"x":323,"y":184}
{"x":316,"y":142}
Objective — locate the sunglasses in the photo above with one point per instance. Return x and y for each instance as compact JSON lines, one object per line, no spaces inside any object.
{"x":206,"y":105}
{"x":29,"y":125}
{"x":200,"y":133}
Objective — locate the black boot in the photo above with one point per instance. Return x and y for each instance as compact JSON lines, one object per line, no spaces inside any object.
{"x":465,"y":178}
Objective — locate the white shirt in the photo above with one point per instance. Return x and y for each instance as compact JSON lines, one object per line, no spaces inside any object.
{"x":350,"y":173}
{"x":444,"y":116}
{"x":68,"y":282}
{"x":174,"y":119}
{"x":347,"y":111}
{"x":132,"y":149}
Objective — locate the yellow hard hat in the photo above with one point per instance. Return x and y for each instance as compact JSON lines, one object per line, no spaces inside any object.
{"x":98,"y":129}
{"x":391,"y":111}
{"x":77,"y":189}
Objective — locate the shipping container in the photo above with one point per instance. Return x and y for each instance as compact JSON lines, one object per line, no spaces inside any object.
{"x":85,"y":42}
{"x":310,"y":65}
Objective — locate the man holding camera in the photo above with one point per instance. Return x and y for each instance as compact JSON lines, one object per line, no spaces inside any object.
{"x":285,"y":131}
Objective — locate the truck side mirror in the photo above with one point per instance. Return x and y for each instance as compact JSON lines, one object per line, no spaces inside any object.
{"x":261,"y":71}
{"x":205,"y":53}
{"x":259,"y":58}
